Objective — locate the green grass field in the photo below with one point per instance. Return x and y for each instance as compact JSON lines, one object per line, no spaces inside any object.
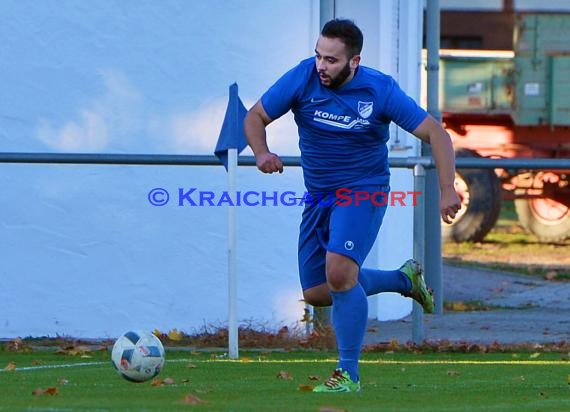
{"x":278,"y":381}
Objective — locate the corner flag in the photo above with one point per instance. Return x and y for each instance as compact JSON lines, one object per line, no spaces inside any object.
{"x":230,"y":143}
{"x":232,"y":135}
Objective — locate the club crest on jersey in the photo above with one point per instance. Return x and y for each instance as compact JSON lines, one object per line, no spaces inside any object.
{"x":365,"y":109}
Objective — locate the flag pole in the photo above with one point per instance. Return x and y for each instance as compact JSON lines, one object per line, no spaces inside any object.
{"x":232,"y":264}
{"x":233,"y":351}
{"x":230,"y":143}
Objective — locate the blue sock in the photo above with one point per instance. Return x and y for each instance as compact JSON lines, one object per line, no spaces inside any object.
{"x":349,"y":318}
{"x":375,"y":281}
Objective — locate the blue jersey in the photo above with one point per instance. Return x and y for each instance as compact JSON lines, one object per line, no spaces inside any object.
{"x":342,"y":131}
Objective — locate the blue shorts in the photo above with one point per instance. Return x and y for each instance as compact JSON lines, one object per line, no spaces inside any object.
{"x":343,"y":222}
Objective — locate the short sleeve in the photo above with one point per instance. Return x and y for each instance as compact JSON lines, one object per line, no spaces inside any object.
{"x":403,"y":110}
{"x":282,"y":95}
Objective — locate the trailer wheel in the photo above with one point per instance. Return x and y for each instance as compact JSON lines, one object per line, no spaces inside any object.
{"x":545,"y":218}
{"x":480,"y":193}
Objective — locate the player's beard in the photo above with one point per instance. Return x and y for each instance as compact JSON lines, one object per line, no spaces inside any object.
{"x":340,"y":77}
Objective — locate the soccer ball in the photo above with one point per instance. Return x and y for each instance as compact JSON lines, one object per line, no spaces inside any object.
{"x":138,"y":356}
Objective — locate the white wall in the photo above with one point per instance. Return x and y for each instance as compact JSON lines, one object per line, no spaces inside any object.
{"x":83,"y":252}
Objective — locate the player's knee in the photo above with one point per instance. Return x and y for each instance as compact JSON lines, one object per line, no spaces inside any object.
{"x":342,"y":272}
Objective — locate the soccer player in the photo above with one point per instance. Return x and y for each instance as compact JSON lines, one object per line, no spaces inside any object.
{"x":343,"y":111}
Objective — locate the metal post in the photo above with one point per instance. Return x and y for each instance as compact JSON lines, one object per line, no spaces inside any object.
{"x":432,"y":235}
{"x":326,"y":10}
{"x":419,"y":236}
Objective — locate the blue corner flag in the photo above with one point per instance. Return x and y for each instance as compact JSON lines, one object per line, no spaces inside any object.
{"x":232,"y":135}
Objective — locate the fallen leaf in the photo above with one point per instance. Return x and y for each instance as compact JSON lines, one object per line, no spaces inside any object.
{"x":17,"y":345}
{"x":192,"y":400}
{"x":284,"y":375}
{"x":161,"y":382}
{"x":453,"y":373}
{"x":551,"y":275}
{"x":314,"y":378}
{"x":175,"y":335}
{"x":306,"y":388}
{"x":52,"y":391}
{"x":459,"y":306}
{"x":74,"y":350}
{"x":49,"y":391}
{"x":10,"y":367}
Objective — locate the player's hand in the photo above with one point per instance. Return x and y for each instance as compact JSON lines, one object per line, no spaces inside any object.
{"x":450,"y":204}
{"x":269,"y":163}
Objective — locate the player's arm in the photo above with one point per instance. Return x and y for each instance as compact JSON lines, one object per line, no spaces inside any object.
{"x":431,"y":131}
{"x":255,"y":123}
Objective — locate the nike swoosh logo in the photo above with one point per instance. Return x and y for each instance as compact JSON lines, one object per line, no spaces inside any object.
{"x":317,"y":100}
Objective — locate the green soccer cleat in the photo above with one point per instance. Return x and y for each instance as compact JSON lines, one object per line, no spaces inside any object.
{"x":420,"y":292}
{"x":339,"y":382}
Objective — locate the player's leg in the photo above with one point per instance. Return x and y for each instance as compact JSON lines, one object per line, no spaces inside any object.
{"x":353,"y":228}
{"x":313,"y":235}
{"x":408,"y":280}
{"x":376,"y":281}
{"x":349,"y":319}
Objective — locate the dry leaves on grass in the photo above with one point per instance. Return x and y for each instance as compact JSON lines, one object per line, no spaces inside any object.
{"x":284,"y":375}
{"x":192,"y":400}
{"x":49,"y":391}
{"x":162,"y":382}
{"x":306,"y":388}
{"x":11,"y":366}
{"x":17,"y":345}
{"x":75,"y":350}
{"x":175,"y":335}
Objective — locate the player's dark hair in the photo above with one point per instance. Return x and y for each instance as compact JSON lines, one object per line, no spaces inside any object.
{"x":347,"y":32}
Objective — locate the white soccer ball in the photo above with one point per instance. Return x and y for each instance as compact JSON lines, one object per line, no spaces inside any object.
{"x":138,"y":356}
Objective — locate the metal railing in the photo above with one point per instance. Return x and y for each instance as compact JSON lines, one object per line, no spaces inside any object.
{"x":210,"y":160}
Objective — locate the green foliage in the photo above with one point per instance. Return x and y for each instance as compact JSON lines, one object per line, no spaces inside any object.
{"x":279,"y":381}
